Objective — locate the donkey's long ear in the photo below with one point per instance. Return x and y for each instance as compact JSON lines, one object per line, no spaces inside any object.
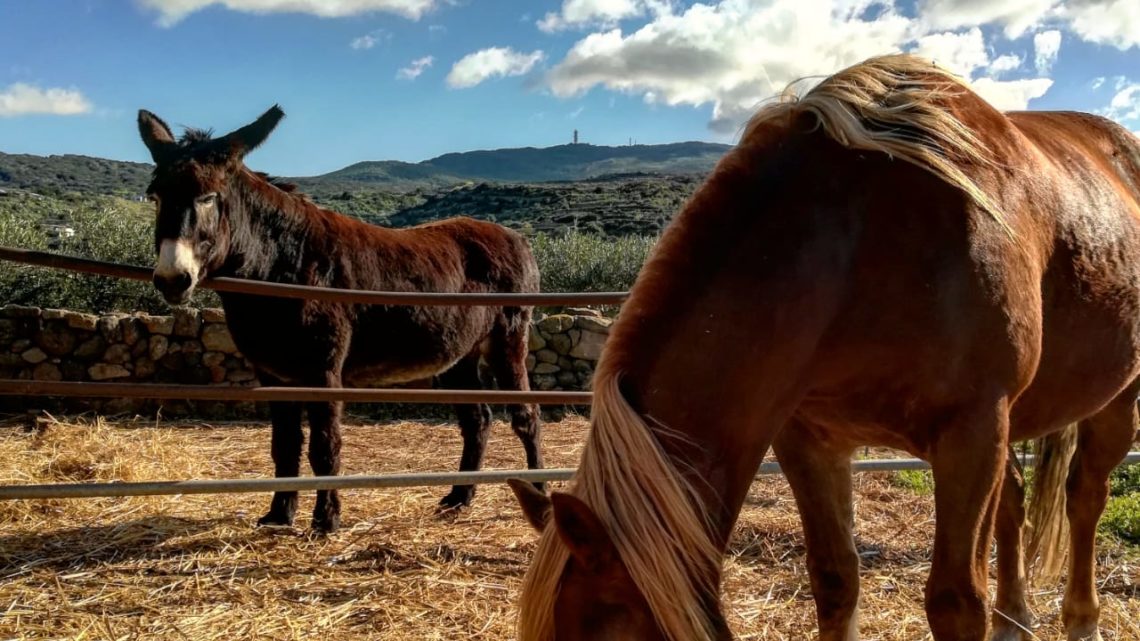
{"x":242,"y":141}
{"x":535,"y":504}
{"x":156,"y":135}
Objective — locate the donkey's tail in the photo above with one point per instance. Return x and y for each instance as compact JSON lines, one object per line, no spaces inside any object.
{"x":1048,"y":524}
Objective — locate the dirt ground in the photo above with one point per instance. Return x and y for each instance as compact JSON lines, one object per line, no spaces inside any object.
{"x":194,"y":567}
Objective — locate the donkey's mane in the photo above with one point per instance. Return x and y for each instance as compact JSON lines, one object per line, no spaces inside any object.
{"x":900,"y":105}
{"x":656,"y":519}
{"x":194,"y":139}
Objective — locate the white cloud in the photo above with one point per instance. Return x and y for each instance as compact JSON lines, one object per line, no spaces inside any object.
{"x":1004,"y":64}
{"x":962,"y":53}
{"x":731,"y":55}
{"x":1015,"y":16}
{"x":494,"y":62}
{"x":22,"y":99}
{"x":1098,"y":82}
{"x":1107,"y":22}
{"x":734,"y":54}
{"x":1046,"y":45}
{"x":573,"y":115}
{"x":170,"y":12}
{"x":1011,"y":95}
{"x":579,"y":13}
{"x":1125,"y":105}
{"x":369,"y":40}
{"x":413,"y":70}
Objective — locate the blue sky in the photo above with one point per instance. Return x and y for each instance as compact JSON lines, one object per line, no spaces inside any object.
{"x":411,"y":79}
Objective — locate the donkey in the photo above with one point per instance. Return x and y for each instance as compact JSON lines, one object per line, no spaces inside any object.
{"x":215,"y":217}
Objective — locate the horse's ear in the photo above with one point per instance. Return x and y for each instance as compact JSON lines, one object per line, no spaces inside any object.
{"x":156,"y":135}
{"x":582,"y":532}
{"x":535,"y":504}
{"x":242,"y":141}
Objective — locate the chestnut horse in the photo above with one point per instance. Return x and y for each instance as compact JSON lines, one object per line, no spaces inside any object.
{"x":216,"y":217}
{"x":887,"y":259}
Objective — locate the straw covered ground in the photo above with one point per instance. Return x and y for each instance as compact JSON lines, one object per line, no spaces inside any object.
{"x":194,"y":567}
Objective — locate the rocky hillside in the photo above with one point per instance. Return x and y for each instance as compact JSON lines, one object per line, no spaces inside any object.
{"x":611,"y":206}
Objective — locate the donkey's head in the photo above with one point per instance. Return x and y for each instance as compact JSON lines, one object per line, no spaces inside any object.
{"x":193,"y":190}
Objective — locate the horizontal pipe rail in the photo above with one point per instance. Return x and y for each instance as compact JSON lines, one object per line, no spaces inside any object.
{"x":85,"y":389}
{"x":427,"y":479}
{"x":282,"y":290}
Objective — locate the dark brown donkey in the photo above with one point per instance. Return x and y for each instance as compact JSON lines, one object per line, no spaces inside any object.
{"x":887,"y":259}
{"x":218,"y":218}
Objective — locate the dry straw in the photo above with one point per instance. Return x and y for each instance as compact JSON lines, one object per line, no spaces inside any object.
{"x":193,"y":567}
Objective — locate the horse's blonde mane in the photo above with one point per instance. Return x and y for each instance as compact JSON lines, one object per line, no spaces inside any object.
{"x":653,"y":515}
{"x":899,"y":105}
{"x":656,"y":519}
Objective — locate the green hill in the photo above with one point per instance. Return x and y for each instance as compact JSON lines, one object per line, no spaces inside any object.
{"x":611,"y":191}
{"x":71,"y":173}
{"x":532,"y":164}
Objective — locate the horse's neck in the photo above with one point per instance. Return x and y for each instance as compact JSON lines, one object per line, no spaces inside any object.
{"x":706,"y":350}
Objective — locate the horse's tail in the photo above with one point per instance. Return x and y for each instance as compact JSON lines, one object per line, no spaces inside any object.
{"x":1048,"y":523}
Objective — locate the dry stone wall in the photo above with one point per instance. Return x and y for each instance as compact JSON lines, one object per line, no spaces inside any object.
{"x":194,"y":347}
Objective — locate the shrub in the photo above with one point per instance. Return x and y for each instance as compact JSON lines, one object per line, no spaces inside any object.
{"x":106,"y":228}
{"x":1122,"y":518}
{"x":1125,"y":480}
{"x":579,"y":262}
{"x":918,"y":481}
{"x":121,"y":231}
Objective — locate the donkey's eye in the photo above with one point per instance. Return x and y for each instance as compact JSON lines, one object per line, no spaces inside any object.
{"x":208,"y":199}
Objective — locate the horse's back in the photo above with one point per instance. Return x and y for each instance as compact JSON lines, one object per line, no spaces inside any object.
{"x":1085,"y":185}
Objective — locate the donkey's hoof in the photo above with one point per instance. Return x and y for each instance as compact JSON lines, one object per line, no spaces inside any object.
{"x":1010,"y":633}
{"x":455,"y":501}
{"x":326,"y":524}
{"x":272,"y":520}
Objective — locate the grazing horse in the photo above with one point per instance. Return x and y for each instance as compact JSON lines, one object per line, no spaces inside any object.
{"x":216,"y":217}
{"x":887,"y":259}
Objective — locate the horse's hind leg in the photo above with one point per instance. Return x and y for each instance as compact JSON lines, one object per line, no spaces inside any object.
{"x":285,"y":446}
{"x":1103,"y":441}
{"x":967,"y":460}
{"x":474,"y":426}
{"x":508,"y":362}
{"x":1011,"y":617}
{"x":820,"y":479}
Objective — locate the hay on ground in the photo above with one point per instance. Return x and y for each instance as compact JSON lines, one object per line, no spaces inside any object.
{"x":194,"y":567}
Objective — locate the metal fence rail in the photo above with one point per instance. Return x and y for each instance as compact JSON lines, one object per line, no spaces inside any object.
{"x":263,"y":288}
{"x":202,"y":392}
{"x":239,"y":486}
{"x":9,"y":387}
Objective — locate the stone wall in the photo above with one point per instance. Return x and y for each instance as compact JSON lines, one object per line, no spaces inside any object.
{"x":194,"y":347}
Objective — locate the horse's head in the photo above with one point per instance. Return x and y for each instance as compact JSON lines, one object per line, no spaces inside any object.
{"x":193,"y":189}
{"x":597,"y":598}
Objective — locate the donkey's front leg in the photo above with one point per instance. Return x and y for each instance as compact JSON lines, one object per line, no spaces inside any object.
{"x":324,"y":458}
{"x":286,"y":449}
